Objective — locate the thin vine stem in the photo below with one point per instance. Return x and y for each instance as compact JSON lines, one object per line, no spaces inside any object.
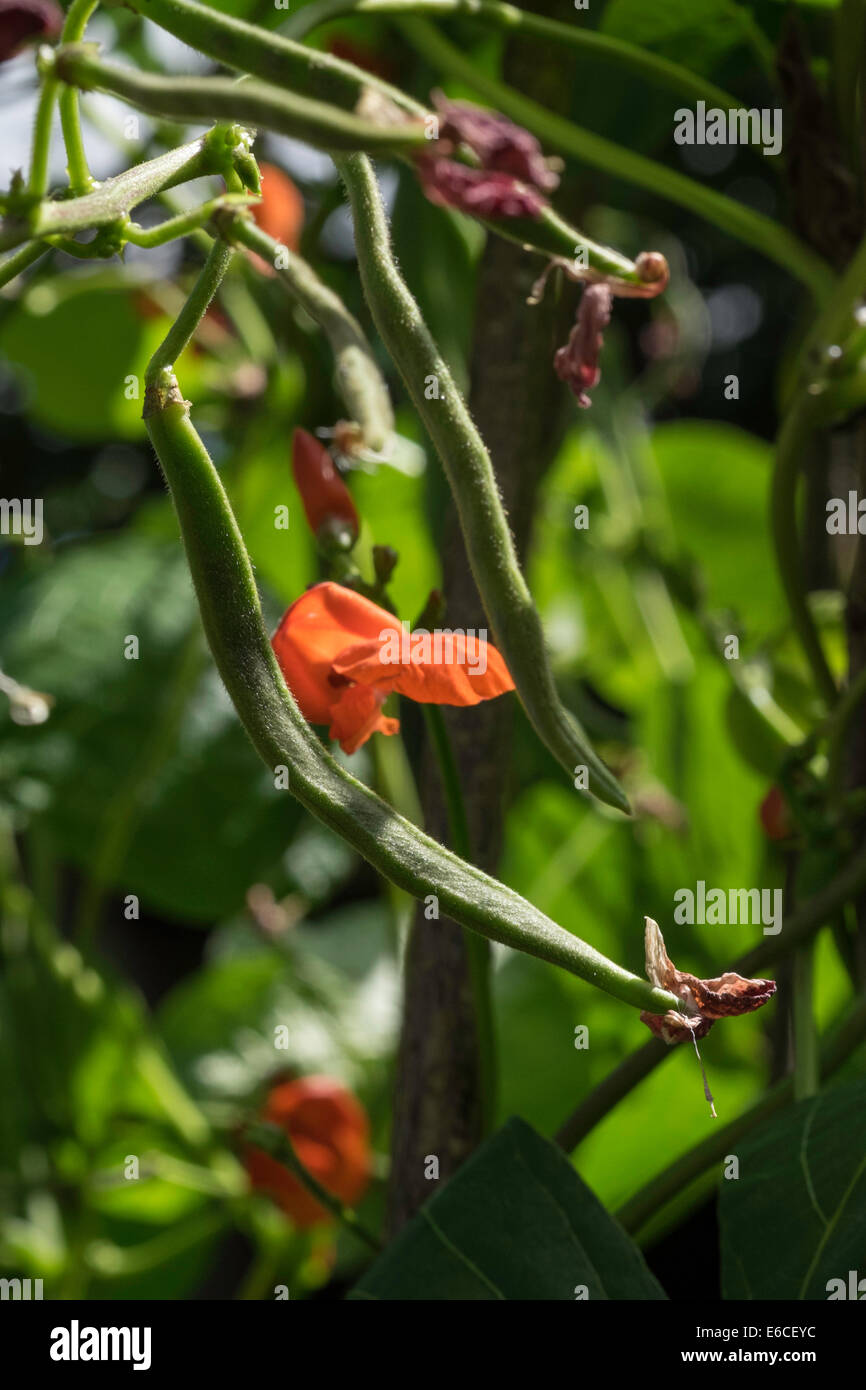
{"x":161,"y":365}
{"x":359,"y":378}
{"x":22,"y":258}
{"x":40,"y":149}
{"x":276,"y":1142}
{"x":509,"y":19}
{"x":80,"y":178}
{"x":797,"y":428}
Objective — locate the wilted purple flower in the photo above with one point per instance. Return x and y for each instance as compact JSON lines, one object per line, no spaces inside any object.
{"x":21,"y":20}
{"x":500,"y":145}
{"x":577,"y":363}
{"x":479,"y":192}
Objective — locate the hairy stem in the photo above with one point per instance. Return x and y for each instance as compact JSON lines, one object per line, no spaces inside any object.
{"x":115,"y":198}
{"x":512,"y":21}
{"x":359,"y":379}
{"x":251,"y":102}
{"x":276,"y":1142}
{"x":797,"y":427}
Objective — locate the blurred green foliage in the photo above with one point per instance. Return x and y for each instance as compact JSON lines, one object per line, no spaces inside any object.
{"x":124,"y":1032}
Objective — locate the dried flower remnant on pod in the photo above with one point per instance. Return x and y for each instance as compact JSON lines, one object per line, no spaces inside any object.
{"x":704,"y":1001}
{"x":511,"y":178}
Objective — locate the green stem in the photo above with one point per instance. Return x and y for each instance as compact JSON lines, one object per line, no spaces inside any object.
{"x":742,"y":222}
{"x":41,"y":147}
{"x":634,"y":1068}
{"x":232,"y":619}
{"x":806,"y":1063}
{"x":836,"y":319}
{"x":477,"y":949}
{"x":185,"y":222}
{"x":669,"y":1184}
{"x":276,"y":1142}
{"x":251,"y":102}
{"x":80,"y":177}
{"x":455,"y":806}
{"x":154,"y":1072}
{"x":797,"y":428}
{"x":195,"y":307}
{"x":112,"y":1261}
{"x":20,"y":260}
{"x":842,"y":718}
{"x":360,"y":381}
{"x":250,"y":49}
{"x":115,"y":198}
{"x":510,"y":20}
{"x":488,"y":539}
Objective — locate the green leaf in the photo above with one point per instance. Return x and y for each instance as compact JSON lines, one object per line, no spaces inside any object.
{"x":695,"y":32}
{"x":794,"y":1219}
{"x":84,"y":395}
{"x":738,"y":569}
{"x":516,"y":1222}
{"x":145,"y":756}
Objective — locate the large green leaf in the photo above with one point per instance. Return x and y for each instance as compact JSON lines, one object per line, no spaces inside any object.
{"x":697,"y":33}
{"x":515,"y":1222}
{"x":143,"y":768}
{"x":795,"y":1218}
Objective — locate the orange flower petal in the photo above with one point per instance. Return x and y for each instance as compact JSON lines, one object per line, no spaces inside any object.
{"x":357,"y":714}
{"x":443,"y":668}
{"x":341,"y":655}
{"x":281,"y":211}
{"x":330,"y":1134}
{"x":320,"y":625}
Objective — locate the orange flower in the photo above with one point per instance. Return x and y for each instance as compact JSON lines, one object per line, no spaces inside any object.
{"x":330,"y":1135}
{"x":342,"y":655}
{"x":327,"y":501}
{"x":281,"y":211}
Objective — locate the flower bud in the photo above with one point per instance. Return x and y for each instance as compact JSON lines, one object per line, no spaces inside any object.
{"x":500,"y":145}
{"x":327,"y":501}
{"x":478,"y":192}
{"x":775,"y":814}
